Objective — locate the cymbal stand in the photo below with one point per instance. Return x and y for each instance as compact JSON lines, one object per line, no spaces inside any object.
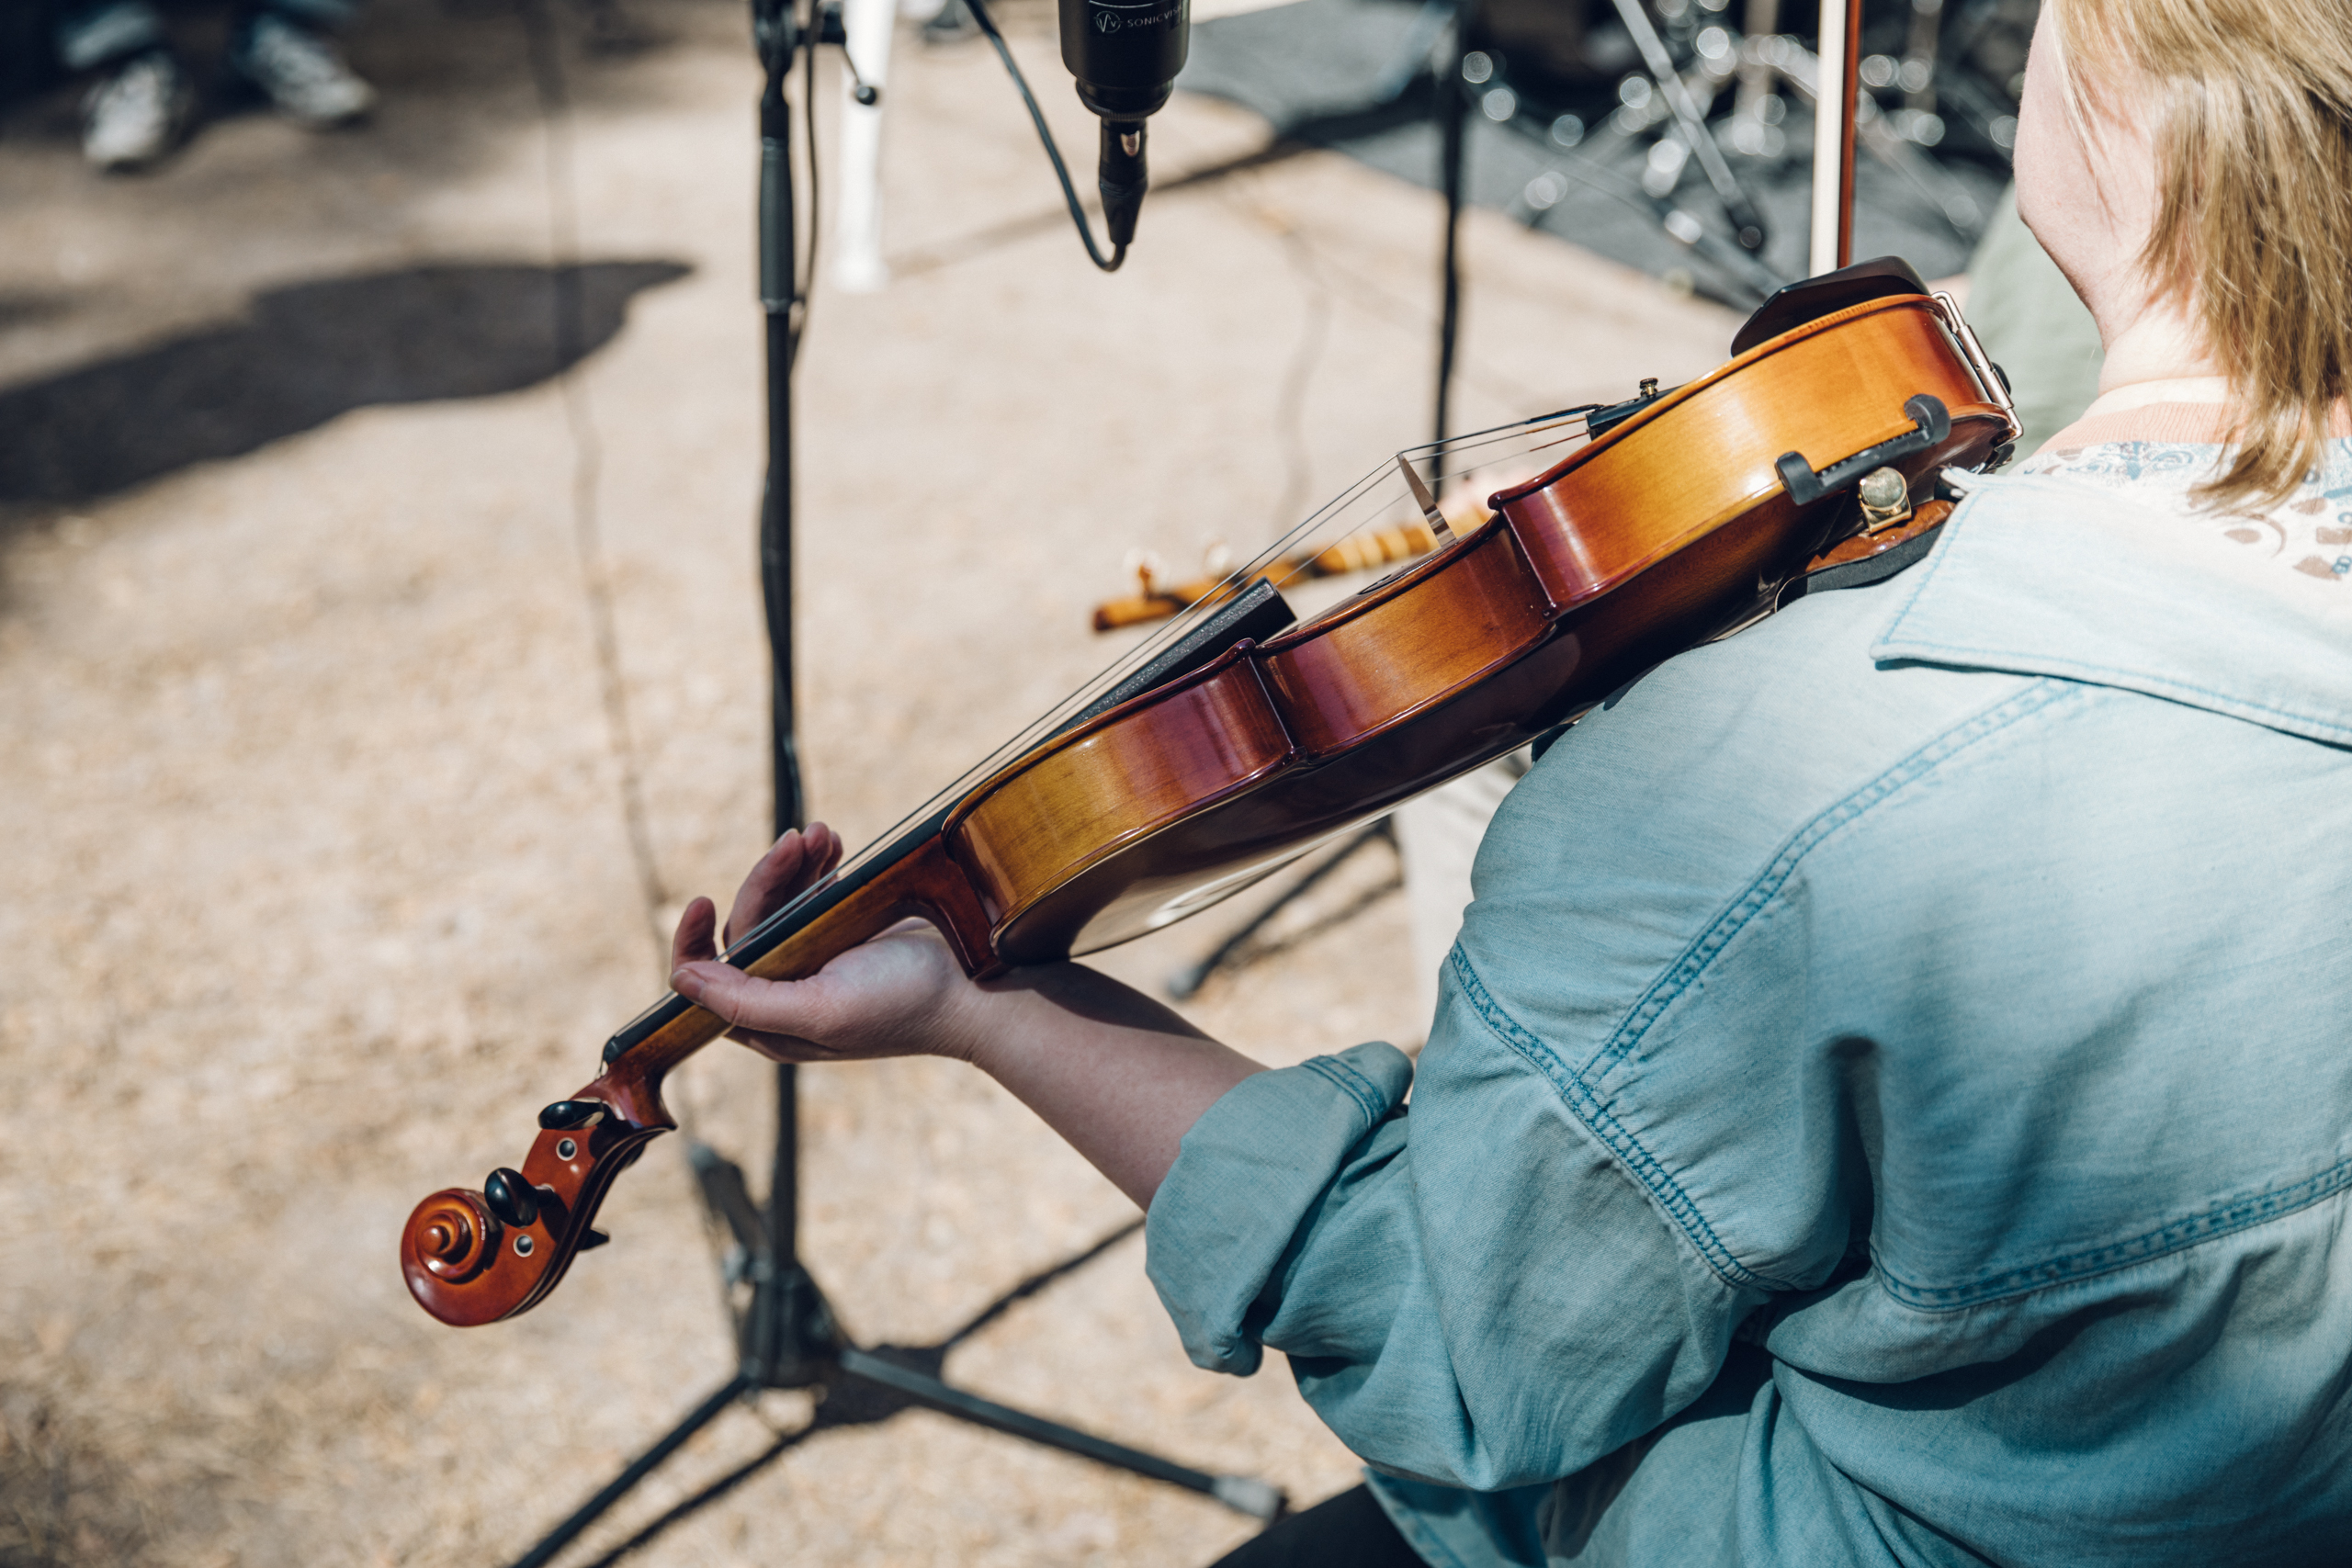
{"x":1690,"y":118}
{"x":788,"y":1336}
{"x":1769,"y":59}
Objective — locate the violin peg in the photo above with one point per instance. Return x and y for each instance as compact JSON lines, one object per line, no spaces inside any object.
{"x":570,"y":1115}
{"x":592,"y":1239}
{"x":511,"y":1198}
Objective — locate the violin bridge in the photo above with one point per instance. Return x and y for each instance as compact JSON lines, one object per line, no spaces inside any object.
{"x":1427,"y":502}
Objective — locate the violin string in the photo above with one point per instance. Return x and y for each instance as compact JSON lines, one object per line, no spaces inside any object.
{"x":552,"y":91}
{"x":1290,"y":400}
{"x":1377,"y":494}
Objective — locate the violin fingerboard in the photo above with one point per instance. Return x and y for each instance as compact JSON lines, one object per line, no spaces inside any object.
{"x":1255,"y":614}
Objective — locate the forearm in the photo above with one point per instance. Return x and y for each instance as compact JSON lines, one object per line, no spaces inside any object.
{"x":1119,"y":1077}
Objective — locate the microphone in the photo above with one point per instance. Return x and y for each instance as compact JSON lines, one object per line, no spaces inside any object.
{"x":1126,"y":55}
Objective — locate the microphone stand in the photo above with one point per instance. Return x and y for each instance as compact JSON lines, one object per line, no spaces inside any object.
{"x":790,"y":1338}
{"x":1445,"y":102}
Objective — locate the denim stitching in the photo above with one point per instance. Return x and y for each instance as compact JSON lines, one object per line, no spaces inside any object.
{"x":1639,"y":1162}
{"x":2112,"y":674}
{"x":1759,"y":894}
{"x":1932,"y":567}
{"x":1888,"y":642}
{"x":2180,"y":1236}
{"x":1348,"y":1081}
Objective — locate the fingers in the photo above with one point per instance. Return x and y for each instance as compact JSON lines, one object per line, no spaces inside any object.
{"x":768,"y":885}
{"x":793,"y":863}
{"x":890,"y":997}
{"x":746,"y":1003}
{"x":692,"y":940}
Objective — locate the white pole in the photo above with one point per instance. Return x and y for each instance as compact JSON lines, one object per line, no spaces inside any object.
{"x":858,"y":267}
{"x":1828,"y":140}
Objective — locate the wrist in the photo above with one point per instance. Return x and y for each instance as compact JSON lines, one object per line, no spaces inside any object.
{"x":971,"y":1025}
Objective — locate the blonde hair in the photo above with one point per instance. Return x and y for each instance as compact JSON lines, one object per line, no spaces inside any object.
{"x":2249,"y":110}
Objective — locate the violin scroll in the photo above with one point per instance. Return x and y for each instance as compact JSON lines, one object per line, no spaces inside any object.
{"x":451,"y":1237}
{"x":473,"y":1257}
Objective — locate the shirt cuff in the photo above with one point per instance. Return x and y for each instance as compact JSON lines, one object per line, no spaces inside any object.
{"x":1245,"y":1178}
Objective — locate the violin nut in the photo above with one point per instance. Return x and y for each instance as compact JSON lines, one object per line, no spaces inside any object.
{"x":1885,"y":496}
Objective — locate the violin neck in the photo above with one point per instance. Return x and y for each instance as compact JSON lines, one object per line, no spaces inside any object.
{"x":1837,"y":73}
{"x":913,"y":874}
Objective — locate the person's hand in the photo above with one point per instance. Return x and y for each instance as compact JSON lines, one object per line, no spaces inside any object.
{"x":898,"y":995}
{"x":1118,"y":1075}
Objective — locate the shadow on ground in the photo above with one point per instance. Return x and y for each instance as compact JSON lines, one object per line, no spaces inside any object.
{"x":63,"y":1502}
{"x":308,"y":353}
{"x":844,"y":1398}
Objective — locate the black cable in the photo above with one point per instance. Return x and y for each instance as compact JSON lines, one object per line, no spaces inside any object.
{"x":1069,"y":192}
{"x":1290,"y":399}
{"x":570,"y":332}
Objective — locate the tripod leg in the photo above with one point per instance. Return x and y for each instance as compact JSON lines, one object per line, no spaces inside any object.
{"x":702,"y":1416}
{"x":1242,"y":1493}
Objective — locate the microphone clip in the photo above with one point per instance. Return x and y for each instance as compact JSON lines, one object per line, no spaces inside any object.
{"x":1122,"y":178}
{"x":832,"y":30}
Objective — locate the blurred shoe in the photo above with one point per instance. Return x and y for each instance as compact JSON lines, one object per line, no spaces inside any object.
{"x":300,"y":72}
{"x":134,"y":114}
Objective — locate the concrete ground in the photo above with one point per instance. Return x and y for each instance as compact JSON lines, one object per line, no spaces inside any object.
{"x":318,"y":542}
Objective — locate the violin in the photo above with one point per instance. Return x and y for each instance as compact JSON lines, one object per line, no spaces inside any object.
{"x":1244,"y":736}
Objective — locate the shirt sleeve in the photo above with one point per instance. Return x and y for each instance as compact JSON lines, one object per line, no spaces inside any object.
{"x":1472,"y":1294}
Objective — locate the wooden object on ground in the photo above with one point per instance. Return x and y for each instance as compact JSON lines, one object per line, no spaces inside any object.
{"x":1362,"y":551}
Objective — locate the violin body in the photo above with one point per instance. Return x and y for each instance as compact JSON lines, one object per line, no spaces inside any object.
{"x":1673,"y":526}
{"x":1668,"y":529}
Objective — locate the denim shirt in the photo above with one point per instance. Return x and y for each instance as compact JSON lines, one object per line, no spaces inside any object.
{"x":1891,"y":1101}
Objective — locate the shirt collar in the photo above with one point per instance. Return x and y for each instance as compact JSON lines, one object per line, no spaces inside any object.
{"x":2045,"y":575}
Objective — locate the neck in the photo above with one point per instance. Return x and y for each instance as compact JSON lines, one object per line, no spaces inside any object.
{"x":2160,"y":389}
{"x":2155,"y":355}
